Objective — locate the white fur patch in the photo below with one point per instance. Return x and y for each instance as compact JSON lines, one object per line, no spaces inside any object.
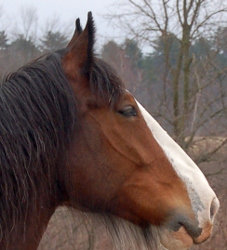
{"x":200,"y":193}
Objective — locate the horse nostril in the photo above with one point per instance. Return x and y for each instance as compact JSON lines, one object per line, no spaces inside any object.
{"x":191,"y":227}
{"x":193,"y":230}
{"x":212,"y":210}
{"x":214,"y":206}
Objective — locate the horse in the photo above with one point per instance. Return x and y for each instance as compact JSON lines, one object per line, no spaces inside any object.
{"x":72,"y":135}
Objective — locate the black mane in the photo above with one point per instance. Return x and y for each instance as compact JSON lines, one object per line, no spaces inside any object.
{"x":37,"y":117}
{"x":37,"y":122}
{"x":105,"y":83}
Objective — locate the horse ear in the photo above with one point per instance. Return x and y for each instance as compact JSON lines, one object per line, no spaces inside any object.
{"x":79,"y":57}
{"x":76,"y":34}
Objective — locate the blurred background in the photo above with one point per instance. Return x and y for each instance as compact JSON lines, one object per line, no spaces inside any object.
{"x":172,"y":56}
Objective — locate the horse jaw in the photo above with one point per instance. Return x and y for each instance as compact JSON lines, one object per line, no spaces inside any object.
{"x":202,"y":197}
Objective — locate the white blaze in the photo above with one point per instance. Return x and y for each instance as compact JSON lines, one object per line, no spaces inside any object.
{"x":200,"y":193}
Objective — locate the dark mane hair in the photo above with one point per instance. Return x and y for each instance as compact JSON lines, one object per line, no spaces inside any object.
{"x":37,"y":120}
{"x":105,"y":83}
{"x":38,"y":117}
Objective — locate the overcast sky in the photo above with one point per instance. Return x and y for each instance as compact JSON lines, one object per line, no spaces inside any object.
{"x":65,"y":10}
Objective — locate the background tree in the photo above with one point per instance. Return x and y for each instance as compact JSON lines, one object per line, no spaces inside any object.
{"x":52,"y":41}
{"x":133,"y":52}
{"x":21,"y":50}
{"x":3,"y":54}
{"x":171,"y":28}
{"x":3,"y":40}
{"x":126,"y":59}
{"x":27,"y":24}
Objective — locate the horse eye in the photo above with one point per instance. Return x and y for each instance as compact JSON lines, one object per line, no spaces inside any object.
{"x":128,"y":111}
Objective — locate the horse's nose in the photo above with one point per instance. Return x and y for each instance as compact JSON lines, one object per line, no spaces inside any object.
{"x":199,"y":229}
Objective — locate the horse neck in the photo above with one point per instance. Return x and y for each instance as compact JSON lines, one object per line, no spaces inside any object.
{"x":28,"y":236}
{"x":22,"y":228}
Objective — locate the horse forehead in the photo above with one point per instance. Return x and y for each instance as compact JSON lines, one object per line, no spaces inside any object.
{"x":197,"y":186}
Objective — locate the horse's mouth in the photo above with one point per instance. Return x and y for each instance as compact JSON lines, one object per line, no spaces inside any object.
{"x":179,"y":240}
{"x":184,"y":238}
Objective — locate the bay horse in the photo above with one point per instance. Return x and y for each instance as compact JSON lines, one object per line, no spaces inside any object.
{"x":71,"y":135}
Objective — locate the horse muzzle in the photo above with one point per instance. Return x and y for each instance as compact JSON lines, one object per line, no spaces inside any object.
{"x":181,"y":233}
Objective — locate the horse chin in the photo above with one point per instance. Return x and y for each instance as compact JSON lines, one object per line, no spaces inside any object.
{"x":179,"y":240}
